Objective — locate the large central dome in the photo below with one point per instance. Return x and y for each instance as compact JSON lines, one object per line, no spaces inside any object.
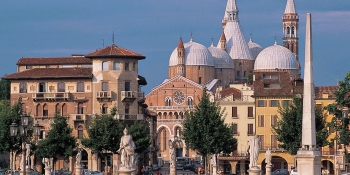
{"x":276,"y":57}
{"x":195,"y":54}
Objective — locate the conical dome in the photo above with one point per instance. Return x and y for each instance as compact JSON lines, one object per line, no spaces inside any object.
{"x":221,"y":58}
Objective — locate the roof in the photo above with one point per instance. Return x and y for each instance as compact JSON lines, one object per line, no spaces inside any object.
{"x":290,"y":7}
{"x":115,"y":52}
{"x":231,"y":8}
{"x":330,"y":90}
{"x":231,"y":91}
{"x":52,"y":73}
{"x":54,"y":61}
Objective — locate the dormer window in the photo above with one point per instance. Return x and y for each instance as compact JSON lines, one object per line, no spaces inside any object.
{"x":29,"y":67}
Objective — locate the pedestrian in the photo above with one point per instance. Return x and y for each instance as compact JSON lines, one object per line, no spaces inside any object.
{"x":143,"y":170}
{"x":157,"y":173}
{"x":146,"y":171}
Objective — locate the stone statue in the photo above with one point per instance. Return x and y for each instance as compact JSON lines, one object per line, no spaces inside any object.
{"x":127,"y":150}
{"x":268,"y":157}
{"x":46,"y":162}
{"x":78,"y":158}
{"x":213,"y":160}
{"x":172,"y":152}
{"x":254,"y":148}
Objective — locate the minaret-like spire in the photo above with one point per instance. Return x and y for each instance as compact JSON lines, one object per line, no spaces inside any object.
{"x":308,"y":156}
{"x":223,"y":42}
{"x":290,"y":7}
{"x":231,"y":12}
{"x":180,"y":58}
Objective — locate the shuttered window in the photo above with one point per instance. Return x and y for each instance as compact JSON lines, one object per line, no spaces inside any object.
{"x":261,"y":121}
{"x":250,"y":112}
{"x":234,"y":112}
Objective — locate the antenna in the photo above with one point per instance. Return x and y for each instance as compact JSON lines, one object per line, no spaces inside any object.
{"x":251,"y":35}
{"x":103,"y":43}
{"x":212,"y":40}
{"x":113,"y":38}
{"x":191,"y":34}
{"x":275,"y":39}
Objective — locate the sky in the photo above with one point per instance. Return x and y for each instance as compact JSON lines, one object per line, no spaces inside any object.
{"x":38,"y":28}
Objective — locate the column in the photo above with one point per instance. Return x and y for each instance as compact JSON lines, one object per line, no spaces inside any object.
{"x":242,"y":166}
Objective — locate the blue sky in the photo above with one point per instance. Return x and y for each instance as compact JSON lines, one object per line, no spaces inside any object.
{"x":153,"y":27}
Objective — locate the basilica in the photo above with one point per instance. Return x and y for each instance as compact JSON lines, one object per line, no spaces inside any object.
{"x":248,"y":81}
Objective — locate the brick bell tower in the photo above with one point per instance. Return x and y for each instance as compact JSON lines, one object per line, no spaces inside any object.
{"x":290,"y":21}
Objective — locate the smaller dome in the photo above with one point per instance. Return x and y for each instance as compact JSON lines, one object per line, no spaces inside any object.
{"x":221,"y":58}
{"x":195,"y":55}
{"x":276,"y":57}
{"x":254,"y":48}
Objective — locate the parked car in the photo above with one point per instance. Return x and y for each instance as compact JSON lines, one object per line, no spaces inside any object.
{"x":293,"y":172}
{"x":280,"y":172}
{"x":94,"y":173}
{"x":155,"y":167}
{"x":190,"y":167}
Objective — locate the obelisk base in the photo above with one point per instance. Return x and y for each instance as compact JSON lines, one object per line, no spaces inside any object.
{"x":309,"y":162}
{"x":254,"y":170}
{"x":268,"y":169}
{"x":78,"y":170}
{"x":126,"y":171}
{"x":48,"y":170}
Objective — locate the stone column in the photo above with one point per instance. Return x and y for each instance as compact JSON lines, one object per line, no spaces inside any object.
{"x":115,"y":164}
{"x":71,"y":163}
{"x":48,"y":170}
{"x":268,"y":169}
{"x":242,"y":166}
{"x":233,"y":166}
{"x":254,"y":170}
{"x":78,"y":169}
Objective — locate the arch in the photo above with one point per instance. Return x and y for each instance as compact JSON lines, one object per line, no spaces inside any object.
{"x":277,"y":163}
{"x":165,"y":114}
{"x":58,"y":109}
{"x":177,"y":126}
{"x":84,"y":159}
{"x":327,"y":165}
{"x":163,"y":126}
{"x":80,"y":129}
{"x":45,"y":110}
{"x":39,"y":110}
{"x":64,"y":109}
{"x":163,"y":137}
{"x":167,"y":101}
{"x":190,"y":101}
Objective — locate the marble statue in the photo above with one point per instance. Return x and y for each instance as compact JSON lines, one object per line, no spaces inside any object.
{"x":46,"y":162}
{"x":268,"y":157}
{"x":172,"y":153}
{"x":127,"y":150}
{"x":254,"y":148}
{"x":213,"y":160}
{"x":78,"y":158}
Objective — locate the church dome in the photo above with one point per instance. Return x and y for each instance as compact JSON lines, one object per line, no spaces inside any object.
{"x":221,"y":58}
{"x":254,"y":48}
{"x":195,"y":55}
{"x":276,"y":57}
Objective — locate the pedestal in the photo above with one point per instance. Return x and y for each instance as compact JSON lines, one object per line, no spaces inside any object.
{"x":254,"y":170}
{"x":268,"y":169}
{"x":172,"y":170}
{"x":126,"y":172}
{"x":48,"y":170}
{"x":214,"y":170}
{"x":78,"y":170}
{"x":308,"y":162}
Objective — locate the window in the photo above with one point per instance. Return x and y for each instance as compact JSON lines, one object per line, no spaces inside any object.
{"x":126,"y":65}
{"x":261,"y":103}
{"x":64,"y":110}
{"x":235,"y":129}
{"x":250,"y":129}
{"x":238,"y":74}
{"x":42,"y":87}
{"x":29,"y":66}
{"x":167,"y":101}
{"x":286,"y":102}
{"x":80,"y":86}
{"x":45,"y":110}
{"x":261,"y":121}
{"x":270,"y":76}
{"x":288,"y":30}
{"x":104,"y":109}
{"x":292,"y":30}
{"x":127,"y":86}
{"x":116,"y":65}
{"x":234,"y":112}
{"x":104,"y":65}
{"x":80,"y":132}
{"x":189,"y":101}
{"x":199,"y":80}
{"x":61,"y":87}
{"x":104,"y":86}
{"x":273,"y":141}
{"x":22,"y":87}
{"x":273,"y":103}
{"x":274,"y":119}
{"x":39,"y":110}
{"x":134,"y":66}
{"x":250,"y":112}
{"x":127,"y":108}
{"x":262,"y":142}
{"x":80,"y":108}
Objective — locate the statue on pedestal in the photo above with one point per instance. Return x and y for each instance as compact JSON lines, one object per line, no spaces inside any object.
{"x":78,"y":158}
{"x":254,"y":148}
{"x":46,"y":162}
{"x":268,"y":157}
{"x":127,"y":150}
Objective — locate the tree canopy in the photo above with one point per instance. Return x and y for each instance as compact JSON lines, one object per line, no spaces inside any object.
{"x":5,"y":89}
{"x":59,"y":142}
{"x":141,"y":136}
{"x":288,"y":128}
{"x":205,"y":130}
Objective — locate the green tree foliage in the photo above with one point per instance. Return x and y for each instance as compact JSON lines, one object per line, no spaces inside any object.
{"x":5,"y":86}
{"x":104,"y":134}
{"x":341,"y":122}
{"x":8,"y":115}
{"x":141,"y":136}
{"x":288,"y":128}
{"x":59,"y":142}
{"x":205,"y":130}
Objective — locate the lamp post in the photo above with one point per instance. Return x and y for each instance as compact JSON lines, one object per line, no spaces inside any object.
{"x":23,"y":134}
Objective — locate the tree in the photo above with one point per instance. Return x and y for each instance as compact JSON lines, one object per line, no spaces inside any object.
{"x":341,"y":121}
{"x":288,"y":128}
{"x":59,"y":142}
{"x":104,"y":135}
{"x":140,"y":136}
{"x":5,"y":88}
{"x":205,"y":130}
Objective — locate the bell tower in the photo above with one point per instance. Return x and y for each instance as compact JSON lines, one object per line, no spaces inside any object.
{"x":181,"y":58}
{"x":290,"y":22}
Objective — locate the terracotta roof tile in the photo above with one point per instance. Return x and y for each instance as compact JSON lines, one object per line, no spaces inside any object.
{"x":54,"y":60}
{"x":330,"y":90}
{"x":52,"y":73}
{"x":231,"y":91}
{"x":114,"y":51}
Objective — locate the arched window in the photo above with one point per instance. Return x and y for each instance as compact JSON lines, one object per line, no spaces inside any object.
{"x":104,"y":109}
{"x":80,"y":132}
{"x":288,"y":30}
{"x":292,"y":30}
{"x":39,"y":111}
{"x":189,"y":101}
{"x":22,"y":87}
{"x":104,"y":65}
{"x":80,"y":108}
{"x":167,"y":101}
{"x":64,"y":110}
{"x":116,"y":65}
{"x":45,"y":110}
{"x":58,"y":109}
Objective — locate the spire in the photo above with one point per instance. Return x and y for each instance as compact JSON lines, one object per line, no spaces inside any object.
{"x":212,"y":41}
{"x":308,"y":132}
{"x":181,"y":44}
{"x":191,"y":34}
{"x":223,"y":41}
{"x":231,"y":12}
{"x":290,"y":7}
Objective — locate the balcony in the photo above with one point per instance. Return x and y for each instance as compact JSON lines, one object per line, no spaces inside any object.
{"x":129,"y":96}
{"x":104,"y":94}
{"x":129,"y":116}
{"x":79,"y":117}
{"x":51,"y":96}
{"x":273,"y":148}
{"x":171,"y":107}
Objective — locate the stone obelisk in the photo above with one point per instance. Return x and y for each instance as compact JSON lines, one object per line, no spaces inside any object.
{"x":308,"y":156}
